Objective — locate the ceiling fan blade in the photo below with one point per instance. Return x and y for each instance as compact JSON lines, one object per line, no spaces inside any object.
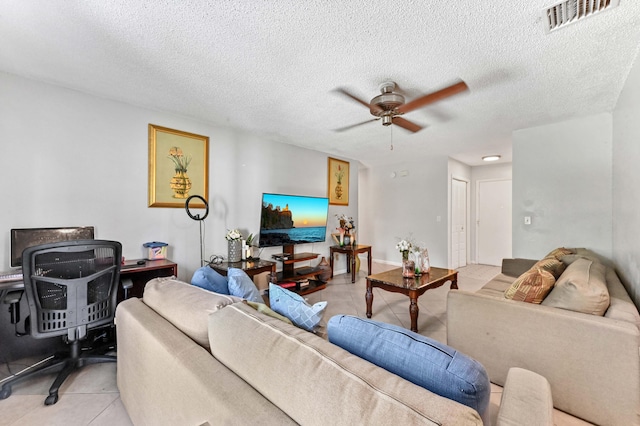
{"x":342,"y":129}
{"x":406,"y":124}
{"x":357,"y":99}
{"x":433,"y":97}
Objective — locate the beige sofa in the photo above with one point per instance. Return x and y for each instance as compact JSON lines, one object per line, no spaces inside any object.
{"x":592,"y":362}
{"x":190,"y":357}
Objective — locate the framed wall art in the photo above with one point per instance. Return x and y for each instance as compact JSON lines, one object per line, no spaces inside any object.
{"x":338,"y":186}
{"x":178,"y":167}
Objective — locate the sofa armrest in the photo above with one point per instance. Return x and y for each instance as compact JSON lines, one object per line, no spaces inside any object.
{"x":516,"y":267}
{"x":526,"y":399}
{"x":584,"y":357}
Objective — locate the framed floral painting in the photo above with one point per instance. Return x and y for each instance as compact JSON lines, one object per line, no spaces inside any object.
{"x":178,"y":167}
{"x":338,"y":187}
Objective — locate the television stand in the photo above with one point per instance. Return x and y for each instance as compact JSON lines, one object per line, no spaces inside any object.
{"x":290,"y":276}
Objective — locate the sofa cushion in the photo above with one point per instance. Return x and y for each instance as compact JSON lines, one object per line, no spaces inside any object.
{"x":294,"y":307}
{"x":497,"y":286}
{"x":532,"y":286}
{"x":421,"y":360}
{"x":581,"y":288}
{"x":316,"y":382}
{"x":552,"y":265}
{"x":185,"y":306}
{"x":262,"y":308}
{"x":209,"y":279}
{"x":559,"y":252}
{"x":240,"y":285}
{"x":579,"y":252}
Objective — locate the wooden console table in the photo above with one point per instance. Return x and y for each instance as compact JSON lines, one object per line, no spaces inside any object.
{"x":250,"y":267}
{"x":351,"y":252}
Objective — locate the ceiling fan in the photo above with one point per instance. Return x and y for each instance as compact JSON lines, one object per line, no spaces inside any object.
{"x":390,"y":105}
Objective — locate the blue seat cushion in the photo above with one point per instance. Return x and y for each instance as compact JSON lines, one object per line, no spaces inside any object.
{"x":416,"y":358}
{"x":241,"y":285}
{"x":211,"y":280}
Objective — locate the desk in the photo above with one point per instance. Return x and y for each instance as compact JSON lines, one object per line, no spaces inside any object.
{"x":351,"y":252}
{"x":138,"y":274}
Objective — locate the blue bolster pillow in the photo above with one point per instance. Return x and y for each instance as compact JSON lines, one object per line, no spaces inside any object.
{"x":416,"y":358}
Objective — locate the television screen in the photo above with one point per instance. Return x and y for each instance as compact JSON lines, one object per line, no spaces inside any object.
{"x":292,"y":219}
{"x":28,"y":237}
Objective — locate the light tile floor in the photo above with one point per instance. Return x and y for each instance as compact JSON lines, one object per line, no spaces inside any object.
{"x":91,"y":397}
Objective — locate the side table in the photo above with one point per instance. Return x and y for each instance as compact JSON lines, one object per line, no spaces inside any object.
{"x":351,"y":252}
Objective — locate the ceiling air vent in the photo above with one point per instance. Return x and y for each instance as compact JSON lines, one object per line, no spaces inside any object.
{"x":570,"y":11}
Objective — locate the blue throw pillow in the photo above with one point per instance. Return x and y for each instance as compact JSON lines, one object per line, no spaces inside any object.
{"x":211,"y":280}
{"x":294,"y":307}
{"x":418,"y":359}
{"x":242,"y":286}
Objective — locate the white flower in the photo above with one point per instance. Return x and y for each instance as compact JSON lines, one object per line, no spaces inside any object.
{"x":403,"y":245}
{"x":233,"y":234}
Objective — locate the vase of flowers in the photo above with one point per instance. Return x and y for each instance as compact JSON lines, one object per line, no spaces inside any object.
{"x":404,"y":246}
{"x":180,"y":182}
{"x":408,"y":269}
{"x":347,"y":229}
{"x":234,"y":244}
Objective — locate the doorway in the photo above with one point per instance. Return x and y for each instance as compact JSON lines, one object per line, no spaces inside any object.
{"x":493,"y":224}
{"x":458,"y":223}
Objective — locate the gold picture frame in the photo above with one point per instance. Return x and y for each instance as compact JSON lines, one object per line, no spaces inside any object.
{"x":338,"y":182}
{"x":178,"y":167}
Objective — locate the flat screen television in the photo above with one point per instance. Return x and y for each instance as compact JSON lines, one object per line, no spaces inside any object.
{"x":286,"y":220}
{"x":28,"y":237}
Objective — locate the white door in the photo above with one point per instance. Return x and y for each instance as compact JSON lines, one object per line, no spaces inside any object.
{"x":494,"y":221}
{"x":458,"y":223}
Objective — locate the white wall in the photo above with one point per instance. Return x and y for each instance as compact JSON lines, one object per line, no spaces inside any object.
{"x":399,"y":207}
{"x":73,"y":159}
{"x":626,"y":181}
{"x":562,"y":177}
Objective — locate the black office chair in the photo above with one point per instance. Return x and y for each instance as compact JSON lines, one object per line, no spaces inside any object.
{"x":71,"y":288}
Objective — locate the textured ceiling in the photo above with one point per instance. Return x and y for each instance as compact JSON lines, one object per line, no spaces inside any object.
{"x":269,"y":67}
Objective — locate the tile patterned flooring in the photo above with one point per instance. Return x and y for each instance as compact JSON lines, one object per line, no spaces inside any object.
{"x":91,"y":397}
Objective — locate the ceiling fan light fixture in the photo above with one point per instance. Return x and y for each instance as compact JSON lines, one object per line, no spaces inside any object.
{"x":491,"y":158}
{"x":390,"y":106}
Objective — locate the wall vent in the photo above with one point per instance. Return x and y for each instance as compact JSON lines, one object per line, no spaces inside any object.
{"x":570,"y":11}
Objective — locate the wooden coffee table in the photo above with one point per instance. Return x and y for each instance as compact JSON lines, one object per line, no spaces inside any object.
{"x":393,"y":281}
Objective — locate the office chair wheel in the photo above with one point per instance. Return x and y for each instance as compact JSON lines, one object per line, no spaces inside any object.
{"x":51,"y":399}
{"x":5,"y":392}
